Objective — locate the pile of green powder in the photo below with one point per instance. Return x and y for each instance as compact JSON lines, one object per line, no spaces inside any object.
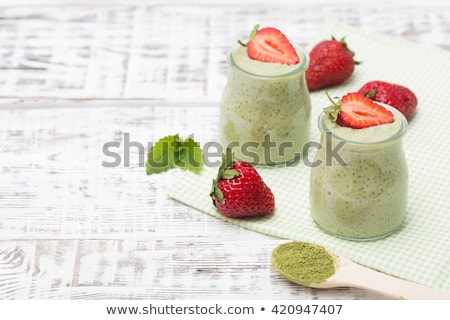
{"x":303,"y":262}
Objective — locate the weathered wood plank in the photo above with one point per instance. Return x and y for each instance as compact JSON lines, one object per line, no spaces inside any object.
{"x":162,"y":51}
{"x":54,"y":184}
{"x":149,"y":269}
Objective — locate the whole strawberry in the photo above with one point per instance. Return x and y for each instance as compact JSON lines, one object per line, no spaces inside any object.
{"x":239,"y":190}
{"x":397,"y":96}
{"x":331,"y":63}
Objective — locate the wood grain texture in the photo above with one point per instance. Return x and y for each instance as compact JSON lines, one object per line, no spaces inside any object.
{"x":173,"y":52}
{"x":77,"y":75}
{"x":150,"y":269}
{"x":74,"y":229}
{"x":54,"y":182}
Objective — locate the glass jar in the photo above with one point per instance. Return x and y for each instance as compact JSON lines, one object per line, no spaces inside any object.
{"x":359,"y":183}
{"x":265,"y":109}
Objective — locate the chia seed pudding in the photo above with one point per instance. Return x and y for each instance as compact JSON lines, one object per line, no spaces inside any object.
{"x":362,"y":195}
{"x":265,"y":110}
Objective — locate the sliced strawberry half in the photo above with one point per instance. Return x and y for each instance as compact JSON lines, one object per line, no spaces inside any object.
{"x":270,"y":45}
{"x":357,"y":112}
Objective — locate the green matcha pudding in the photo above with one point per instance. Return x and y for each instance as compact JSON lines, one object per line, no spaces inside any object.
{"x":360,"y":191}
{"x":265,"y":110}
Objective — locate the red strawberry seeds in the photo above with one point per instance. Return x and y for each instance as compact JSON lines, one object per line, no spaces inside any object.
{"x":270,"y":45}
{"x":239,"y":190}
{"x":397,"y":96}
{"x":331,"y":63}
{"x":357,"y":112}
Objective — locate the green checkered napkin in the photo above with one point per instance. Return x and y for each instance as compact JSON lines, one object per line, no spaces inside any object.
{"x":420,"y":251}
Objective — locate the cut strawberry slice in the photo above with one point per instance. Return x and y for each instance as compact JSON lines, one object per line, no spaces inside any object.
{"x":357,"y":112}
{"x":271,"y":45}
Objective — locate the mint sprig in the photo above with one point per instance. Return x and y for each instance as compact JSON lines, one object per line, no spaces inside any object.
{"x":172,"y":151}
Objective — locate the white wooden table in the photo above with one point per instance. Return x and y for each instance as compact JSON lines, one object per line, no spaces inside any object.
{"x":76,"y":75}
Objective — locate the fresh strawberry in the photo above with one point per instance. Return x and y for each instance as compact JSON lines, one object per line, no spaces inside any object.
{"x":357,"y":112}
{"x":397,"y":96}
{"x":270,"y":45}
{"x":239,"y":190}
{"x":331,"y":63}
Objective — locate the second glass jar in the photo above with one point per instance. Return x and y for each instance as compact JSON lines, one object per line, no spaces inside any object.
{"x":360,"y":192}
{"x":265,"y":119}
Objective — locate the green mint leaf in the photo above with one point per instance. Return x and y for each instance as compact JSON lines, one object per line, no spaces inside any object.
{"x":163,"y":155}
{"x":190,"y":156}
{"x":172,"y":151}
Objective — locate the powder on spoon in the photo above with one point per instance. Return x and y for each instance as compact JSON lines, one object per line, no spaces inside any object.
{"x":303,"y":262}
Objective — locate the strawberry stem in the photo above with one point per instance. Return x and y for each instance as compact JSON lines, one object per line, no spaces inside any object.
{"x":344,"y":43}
{"x":332,"y":111}
{"x":242,"y":44}
{"x":251,"y":36}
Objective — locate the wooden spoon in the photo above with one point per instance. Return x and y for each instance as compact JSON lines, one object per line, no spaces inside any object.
{"x":350,"y":274}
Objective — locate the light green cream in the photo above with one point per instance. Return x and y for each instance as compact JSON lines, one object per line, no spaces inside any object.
{"x":243,"y":61}
{"x":366,"y":135}
{"x":366,"y":197}
{"x":265,"y":102}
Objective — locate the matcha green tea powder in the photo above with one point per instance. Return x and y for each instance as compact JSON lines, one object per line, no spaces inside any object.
{"x":303,"y":262}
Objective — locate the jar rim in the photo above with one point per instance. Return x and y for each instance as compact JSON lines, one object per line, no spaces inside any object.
{"x":396,"y":136}
{"x":302,"y":65}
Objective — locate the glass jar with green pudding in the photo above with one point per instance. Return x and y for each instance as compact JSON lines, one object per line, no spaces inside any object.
{"x":265,"y":110}
{"x":360,"y":193}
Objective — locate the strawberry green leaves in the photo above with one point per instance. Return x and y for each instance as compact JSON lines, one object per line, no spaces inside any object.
{"x":173,"y":151}
{"x":225,"y":172}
